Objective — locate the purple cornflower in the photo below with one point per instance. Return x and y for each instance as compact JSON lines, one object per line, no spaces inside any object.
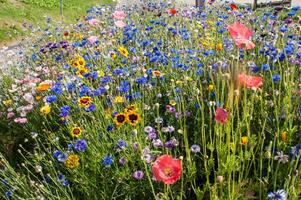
{"x":195,"y":148}
{"x":138,"y":175}
{"x":80,"y":145}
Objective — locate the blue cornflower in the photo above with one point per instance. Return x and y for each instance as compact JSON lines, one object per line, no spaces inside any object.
{"x":110,"y":128}
{"x":278,"y":195}
{"x":141,"y":80}
{"x":265,"y":67}
{"x":276,"y":78}
{"x":296,"y":151}
{"x":80,"y":145}
{"x":124,"y":86}
{"x":91,"y":108}
{"x":104,"y":80}
{"x":65,"y":111}
{"x":66,"y":183}
{"x":107,"y":160}
{"x":70,"y":87}
{"x":8,"y":194}
{"x":121,"y":144}
{"x":51,"y":98}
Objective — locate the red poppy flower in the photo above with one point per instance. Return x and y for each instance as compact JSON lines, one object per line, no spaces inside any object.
{"x":221,"y":115}
{"x":172,"y":11}
{"x":250,"y":81}
{"x":241,"y":35}
{"x":233,"y":6}
{"x":167,"y":169}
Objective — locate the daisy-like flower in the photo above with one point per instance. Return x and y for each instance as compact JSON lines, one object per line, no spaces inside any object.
{"x":120,"y":119}
{"x":133,"y":118}
{"x":85,"y":101}
{"x":278,"y":195}
{"x":123,"y":51}
{"x":72,"y":161}
{"x":81,"y":71}
{"x":76,"y":132}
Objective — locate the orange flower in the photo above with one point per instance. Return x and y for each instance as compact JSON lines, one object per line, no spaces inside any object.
{"x":43,"y":86}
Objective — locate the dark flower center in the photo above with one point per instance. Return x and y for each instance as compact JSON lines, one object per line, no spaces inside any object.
{"x":120,"y":118}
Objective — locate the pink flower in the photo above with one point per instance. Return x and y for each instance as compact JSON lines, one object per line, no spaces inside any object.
{"x":20,"y":120}
{"x":167,"y":169}
{"x":93,"y":22}
{"x":241,"y":35}
{"x":250,"y":81}
{"x":10,"y":115}
{"x":93,"y":39}
{"x":120,"y":24}
{"x":221,"y":115}
{"x":120,"y":15}
{"x":29,"y":98}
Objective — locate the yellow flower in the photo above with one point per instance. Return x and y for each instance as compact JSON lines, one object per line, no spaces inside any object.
{"x":188,"y":78}
{"x":45,"y":109}
{"x":172,"y":102}
{"x":85,"y":101}
{"x":131,"y":108}
{"x":100,"y":73}
{"x":38,"y":98}
{"x":72,"y":161}
{"x":123,"y":51}
{"x":8,"y":102}
{"x":219,"y":46}
{"x":284,"y":136}
{"x":210,"y":87}
{"x":119,"y":99}
{"x":120,"y":119}
{"x":81,"y":71}
{"x":244,"y":140}
{"x":81,"y":61}
{"x":179,"y":82}
{"x":76,"y":131}
{"x":113,"y":55}
{"x":133,"y":118}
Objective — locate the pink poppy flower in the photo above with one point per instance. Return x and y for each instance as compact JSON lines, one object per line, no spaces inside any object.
{"x":93,"y":22}
{"x":20,"y":120}
{"x":119,"y":14}
{"x":93,"y":39}
{"x":120,"y":24}
{"x":241,"y":35}
{"x":221,"y":115}
{"x":250,"y":81}
{"x":167,"y":169}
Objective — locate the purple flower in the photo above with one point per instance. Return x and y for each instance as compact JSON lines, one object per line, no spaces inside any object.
{"x":138,"y":175}
{"x":121,"y":144}
{"x":80,"y":145}
{"x":122,"y":161}
{"x":195,"y":148}
{"x":157,"y":143}
{"x":152,"y":135}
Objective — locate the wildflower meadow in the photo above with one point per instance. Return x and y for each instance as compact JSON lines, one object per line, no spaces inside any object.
{"x":155,"y":101}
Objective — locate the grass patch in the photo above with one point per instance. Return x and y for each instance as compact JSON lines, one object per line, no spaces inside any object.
{"x":14,"y":13}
